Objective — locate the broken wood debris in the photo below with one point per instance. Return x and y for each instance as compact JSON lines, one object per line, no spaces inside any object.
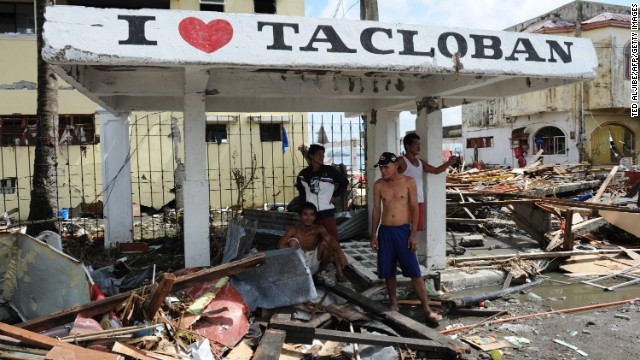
{"x":110,"y":303}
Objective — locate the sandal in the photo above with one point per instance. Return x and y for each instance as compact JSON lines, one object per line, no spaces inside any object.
{"x":341,"y":278}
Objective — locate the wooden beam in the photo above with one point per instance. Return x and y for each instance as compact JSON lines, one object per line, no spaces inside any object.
{"x":159,"y":294}
{"x":604,"y":185}
{"x":550,"y":200}
{"x":468,"y":221}
{"x":50,"y":343}
{"x":487,"y":203}
{"x":454,"y":348}
{"x":507,"y":281}
{"x":10,"y":356}
{"x":131,"y":351}
{"x":270,"y":345}
{"x":296,"y":334}
{"x":542,"y":255}
{"x":108,"y":304}
{"x":567,"y":245}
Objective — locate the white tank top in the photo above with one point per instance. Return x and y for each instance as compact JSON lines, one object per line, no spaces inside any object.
{"x":416,"y":173}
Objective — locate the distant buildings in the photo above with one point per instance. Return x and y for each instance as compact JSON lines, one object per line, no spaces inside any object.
{"x":588,"y":122}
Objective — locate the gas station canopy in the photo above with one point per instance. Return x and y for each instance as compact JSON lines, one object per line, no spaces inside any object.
{"x":148,"y":59}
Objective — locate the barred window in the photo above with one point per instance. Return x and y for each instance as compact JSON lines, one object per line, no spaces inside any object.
{"x":627,"y":61}
{"x":20,"y":130}
{"x":217,"y":133}
{"x":550,"y":139}
{"x":480,"y":142}
{"x":270,"y":132}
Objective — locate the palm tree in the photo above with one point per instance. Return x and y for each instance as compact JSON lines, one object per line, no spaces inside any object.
{"x":45,"y":166}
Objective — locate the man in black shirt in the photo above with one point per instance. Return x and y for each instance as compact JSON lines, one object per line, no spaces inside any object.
{"x":319,"y":184}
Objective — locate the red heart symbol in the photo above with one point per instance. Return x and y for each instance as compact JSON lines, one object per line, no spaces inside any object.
{"x":206,"y":37}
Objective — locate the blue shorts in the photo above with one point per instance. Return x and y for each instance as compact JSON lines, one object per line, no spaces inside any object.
{"x":393,"y":247}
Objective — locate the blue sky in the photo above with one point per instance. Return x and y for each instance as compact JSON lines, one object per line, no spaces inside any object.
{"x":476,"y":14}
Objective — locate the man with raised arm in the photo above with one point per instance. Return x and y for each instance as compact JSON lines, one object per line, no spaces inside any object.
{"x":394,"y":219}
{"x":412,"y":165}
{"x":316,"y":243}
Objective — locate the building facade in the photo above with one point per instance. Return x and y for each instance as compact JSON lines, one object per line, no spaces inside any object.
{"x":242,"y":147}
{"x":586,"y":122}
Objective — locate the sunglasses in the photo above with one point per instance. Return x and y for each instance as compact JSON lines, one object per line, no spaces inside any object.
{"x":383,"y":166}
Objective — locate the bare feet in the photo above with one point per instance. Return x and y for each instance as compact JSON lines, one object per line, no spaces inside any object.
{"x":394,"y":307}
{"x":341,"y":278}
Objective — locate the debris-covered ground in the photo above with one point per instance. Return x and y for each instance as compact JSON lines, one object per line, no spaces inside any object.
{"x":527,"y":239}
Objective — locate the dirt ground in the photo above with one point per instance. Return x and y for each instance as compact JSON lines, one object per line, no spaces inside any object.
{"x":611,"y":332}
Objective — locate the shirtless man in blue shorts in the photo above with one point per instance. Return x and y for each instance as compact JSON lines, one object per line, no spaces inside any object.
{"x":394,"y":231}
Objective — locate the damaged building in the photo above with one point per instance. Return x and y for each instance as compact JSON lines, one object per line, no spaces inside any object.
{"x":584,"y":122}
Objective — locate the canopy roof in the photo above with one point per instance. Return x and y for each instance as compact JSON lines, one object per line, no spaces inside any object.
{"x":128,"y":60}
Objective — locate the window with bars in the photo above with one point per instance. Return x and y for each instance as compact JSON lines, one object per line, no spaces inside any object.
{"x":480,"y":142}
{"x":212,"y":5}
{"x":627,"y":61}
{"x":16,"y":17}
{"x":270,"y":132}
{"x":550,"y":139}
{"x":217,"y":133}
{"x":264,"y":6}
{"x":20,"y":130}
{"x":8,"y":185}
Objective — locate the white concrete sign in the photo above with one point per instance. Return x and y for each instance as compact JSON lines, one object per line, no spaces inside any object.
{"x":78,"y":35}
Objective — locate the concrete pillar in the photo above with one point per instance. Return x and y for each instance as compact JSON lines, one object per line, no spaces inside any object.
{"x":116,"y":178}
{"x":429,"y":128}
{"x":195,"y":186}
{"x":383,"y":134}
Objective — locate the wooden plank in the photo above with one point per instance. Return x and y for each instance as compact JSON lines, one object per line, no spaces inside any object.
{"x":270,"y":345}
{"x":159,"y":294}
{"x":407,"y":324}
{"x":543,"y":255}
{"x":633,"y":255}
{"x":127,"y":350}
{"x":108,"y":304}
{"x":373,"y":290}
{"x":241,"y":351}
{"x":319,"y":320}
{"x":507,"y":281}
{"x":603,"y":187}
{"x":49,"y":343}
{"x":498,"y":203}
{"x":550,"y":200}
{"x":10,"y":356}
{"x":627,"y":222}
{"x":430,"y":346}
{"x":568,"y":234}
{"x":78,"y":353}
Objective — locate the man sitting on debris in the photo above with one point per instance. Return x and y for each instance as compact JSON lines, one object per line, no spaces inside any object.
{"x":316,"y":243}
{"x":394,"y":238}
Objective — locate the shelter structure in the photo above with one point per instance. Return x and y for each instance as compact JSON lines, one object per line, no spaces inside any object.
{"x":162,"y":60}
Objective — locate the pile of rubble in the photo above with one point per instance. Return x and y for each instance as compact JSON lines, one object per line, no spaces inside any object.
{"x":260,"y":306}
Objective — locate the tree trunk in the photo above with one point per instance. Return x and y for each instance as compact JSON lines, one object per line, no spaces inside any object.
{"x":44,"y":190}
